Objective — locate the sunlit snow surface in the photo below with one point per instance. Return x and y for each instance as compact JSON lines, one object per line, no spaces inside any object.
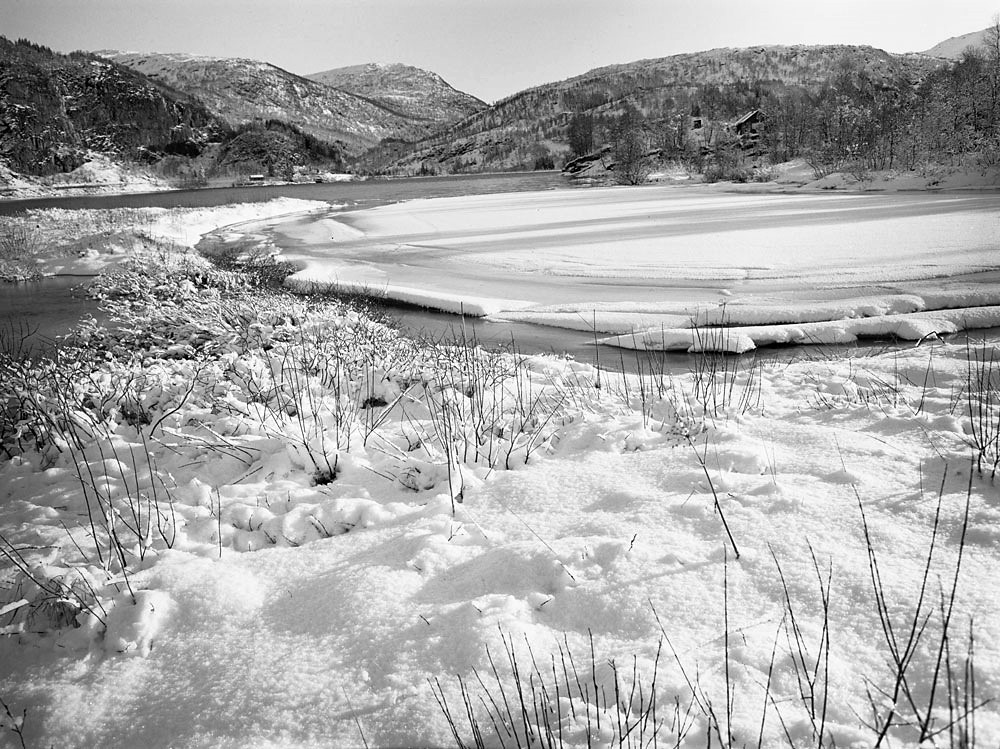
{"x":358,"y":592}
{"x":625,"y":261}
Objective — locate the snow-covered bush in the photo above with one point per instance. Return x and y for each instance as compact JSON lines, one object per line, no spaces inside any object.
{"x":258,"y":266}
{"x":50,"y":598}
{"x":19,"y":243}
{"x":982,"y":404}
{"x":573,"y":699}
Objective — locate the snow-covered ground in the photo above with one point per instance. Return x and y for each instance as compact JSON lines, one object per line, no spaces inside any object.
{"x":929,"y":177}
{"x":243,"y":520}
{"x":642,"y":263}
{"x":321,"y":525}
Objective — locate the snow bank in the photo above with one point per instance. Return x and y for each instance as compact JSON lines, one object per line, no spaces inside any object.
{"x":99,"y":175}
{"x":186,"y":226}
{"x":905,"y":326}
{"x":929,"y":178}
{"x":458,"y":304}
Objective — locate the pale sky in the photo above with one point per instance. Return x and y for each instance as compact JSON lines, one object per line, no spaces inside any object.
{"x":489,"y":48}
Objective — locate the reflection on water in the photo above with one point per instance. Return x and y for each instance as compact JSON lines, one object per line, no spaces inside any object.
{"x":526,"y":338}
{"x":38,"y":311}
{"x":51,"y":306}
{"x":517,"y":336}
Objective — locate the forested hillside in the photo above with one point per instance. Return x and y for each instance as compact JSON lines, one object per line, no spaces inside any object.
{"x":829,"y":104}
{"x":54,"y":108}
{"x":728,"y":113}
{"x":57,"y":111}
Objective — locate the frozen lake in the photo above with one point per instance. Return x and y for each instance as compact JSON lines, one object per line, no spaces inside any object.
{"x":550,"y":265}
{"x":625,"y":259}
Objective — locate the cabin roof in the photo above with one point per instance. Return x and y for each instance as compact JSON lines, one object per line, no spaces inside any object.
{"x":748,"y":116}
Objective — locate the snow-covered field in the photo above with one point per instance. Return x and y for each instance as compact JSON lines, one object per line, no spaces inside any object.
{"x":643,"y":263}
{"x":245,"y":520}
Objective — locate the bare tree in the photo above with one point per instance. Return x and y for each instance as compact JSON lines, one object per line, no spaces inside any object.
{"x":630,"y":149}
{"x":991,"y":44}
{"x":580,"y":134}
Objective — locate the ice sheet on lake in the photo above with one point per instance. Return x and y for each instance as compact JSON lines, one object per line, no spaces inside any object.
{"x":649,"y":260}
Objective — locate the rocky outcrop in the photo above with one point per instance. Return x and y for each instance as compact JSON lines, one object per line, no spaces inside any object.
{"x":275,"y":149}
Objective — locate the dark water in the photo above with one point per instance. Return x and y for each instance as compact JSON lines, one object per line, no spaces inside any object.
{"x":40,"y":311}
{"x":43,"y":309}
{"x":353,"y":194}
{"x":522,"y":337}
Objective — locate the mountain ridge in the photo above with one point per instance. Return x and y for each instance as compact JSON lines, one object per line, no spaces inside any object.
{"x":398,"y":119}
{"x":419,"y":94}
{"x":242,"y":90}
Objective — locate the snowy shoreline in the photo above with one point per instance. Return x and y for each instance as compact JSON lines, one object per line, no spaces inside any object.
{"x":103,"y":176}
{"x":98,"y":176}
{"x":84,"y":242}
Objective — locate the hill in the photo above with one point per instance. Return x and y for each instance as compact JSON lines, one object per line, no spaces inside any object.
{"x":54,"y":108}
{"x":241,"y":90}
{"x":417,"y":94}
{"x":719,"y":84}
{"x":275,"y":149}
{"x":953,"y":48}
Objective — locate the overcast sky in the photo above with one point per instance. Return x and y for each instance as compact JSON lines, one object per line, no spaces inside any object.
{"x":489,"y":48}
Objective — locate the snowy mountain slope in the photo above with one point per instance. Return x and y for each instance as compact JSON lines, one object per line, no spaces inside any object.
{"x":242,"y":90}
{"x":953,"y":47}
{"x":416,"y":93}
{"x":802,"y":64}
